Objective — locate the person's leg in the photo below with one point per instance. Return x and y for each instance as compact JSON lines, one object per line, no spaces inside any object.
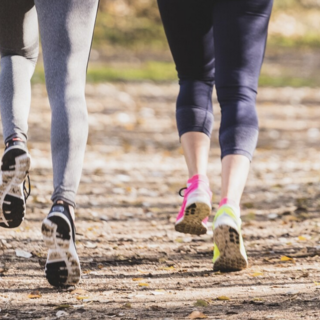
{"x":19,"y":52}
{"x":66,"y":29}
{"x":188,"y":26}
{"x":196,"y":146}
{"x":235,"y":169}
{"x":240,"y":33}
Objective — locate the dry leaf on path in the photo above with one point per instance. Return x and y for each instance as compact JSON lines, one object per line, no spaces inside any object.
{"x":34,"y":295}
{"x":167,"y":268}
{"x":223,"y":298}
{"x":83,"y":298}
{"x":137,"y":279}
{"x":257,"y":274}
{"x":201,"y":303}
{"x":285,"y":258}
{"x":197,"y":315}
{"x":127,"y":305}
{"x":302,"y":238}
{"x":62,"y":306}
{"x":142,"y":284}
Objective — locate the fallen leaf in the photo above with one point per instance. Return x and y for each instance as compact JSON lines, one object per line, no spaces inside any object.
{"x":257,"y":274}
{"x":197,"y":315}
{"x":79,"y":291}
{"x":34,"y":295}
{"x":201,"y":303}
{"x":257,"y":299}
{"x":62,"y":306}
{"x":167,"y":268}
{"x":302,"y":238}
{"x":83,"y":298}
{"x":316,"y":283}
{"x":285,"y":258}
{"x":142,"y":284}
{"x":223,"y":298}
{"x":127,"y":305}
{"x":137,"y":279}
{"x":23,"y":254}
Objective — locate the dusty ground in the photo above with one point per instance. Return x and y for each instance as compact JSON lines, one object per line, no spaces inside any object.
{"x":135,"y":266}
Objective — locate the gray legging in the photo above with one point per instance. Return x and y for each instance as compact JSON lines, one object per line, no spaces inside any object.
{"x":66,"y":29}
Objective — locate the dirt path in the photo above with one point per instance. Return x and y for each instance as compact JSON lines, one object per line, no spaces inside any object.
{"x":135,"y":266}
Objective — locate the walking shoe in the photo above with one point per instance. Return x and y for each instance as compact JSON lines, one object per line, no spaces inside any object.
{"x":13,"y":176}
{"x":196,"y":206}
{"x":63,"y":265}
{"x":229,"y":250}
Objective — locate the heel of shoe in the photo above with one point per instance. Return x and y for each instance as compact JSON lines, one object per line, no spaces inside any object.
{"x":192,"y":221}
{"x":63,"y":265}
{"x":228,"y":242}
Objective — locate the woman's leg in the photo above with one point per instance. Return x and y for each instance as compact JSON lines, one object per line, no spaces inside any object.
{"x":188,"y":26}
{"x":240,"y":33}
{"x":196,"y":146}
{"x":66,"y":29}
{"x":19,"y":53}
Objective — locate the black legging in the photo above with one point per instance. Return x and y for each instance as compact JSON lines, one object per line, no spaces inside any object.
{"x":219,"y":42}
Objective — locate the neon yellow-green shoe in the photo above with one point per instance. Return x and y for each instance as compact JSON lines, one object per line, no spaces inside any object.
{"x":229,"y":253}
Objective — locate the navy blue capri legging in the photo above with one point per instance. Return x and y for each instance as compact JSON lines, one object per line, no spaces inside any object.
{"x":221,"y":43}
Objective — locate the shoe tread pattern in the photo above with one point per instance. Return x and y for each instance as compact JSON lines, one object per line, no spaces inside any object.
{"x":15,"y":166}
{"x":193,"y":217}
{"x":63,"y":266}
{"x":227,"y":239}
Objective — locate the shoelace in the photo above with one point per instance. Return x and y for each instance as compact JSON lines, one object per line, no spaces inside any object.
{"x":26,"y":189}
{"x":180,"y":192}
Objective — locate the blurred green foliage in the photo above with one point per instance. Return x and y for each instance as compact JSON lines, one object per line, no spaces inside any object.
{"x":130,"y":43}
{"x":136,"y":24}
{"x":129,"y":23}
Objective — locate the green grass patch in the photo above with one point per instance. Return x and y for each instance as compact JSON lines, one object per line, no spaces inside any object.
{"x":287,"y":81}
{"x":165,"y":71}
{"x":308,"y":41}
{"x":153,"y":70}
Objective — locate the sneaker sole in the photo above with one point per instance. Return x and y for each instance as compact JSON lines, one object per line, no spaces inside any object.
{"x":192,"y":219}
{"x":63,"y":265}
{"x":12,"y":203}
{"x":227,"y":239}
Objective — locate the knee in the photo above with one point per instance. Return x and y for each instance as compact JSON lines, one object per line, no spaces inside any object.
{"x":195,"y":93}
{"x":238,"y":107}
{"x":194,"y":107}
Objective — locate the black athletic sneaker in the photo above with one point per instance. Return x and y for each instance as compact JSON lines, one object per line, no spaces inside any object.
{"x":13,"y":193}
{"x":63,"y":265}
